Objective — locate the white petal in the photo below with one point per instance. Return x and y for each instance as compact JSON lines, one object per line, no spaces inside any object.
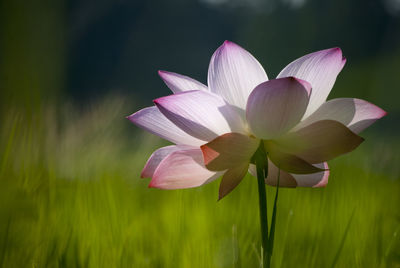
{"x":276,"y":106}
{"x":201,"y":114}
{"x":178,"y":83}
{"x":182,"y":169}
{"x":320,"y":69}
{"x":233,"y":73}
{"x":152,"y":120}
{"x":356,"y":114}
{"x":157,"y":156}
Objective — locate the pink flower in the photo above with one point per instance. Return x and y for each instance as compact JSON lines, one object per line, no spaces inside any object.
{"x":217,"y":129}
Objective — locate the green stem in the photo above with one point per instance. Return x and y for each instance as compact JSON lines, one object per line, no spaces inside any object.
{"x":262,"y":172}
{"x":260,"y":159}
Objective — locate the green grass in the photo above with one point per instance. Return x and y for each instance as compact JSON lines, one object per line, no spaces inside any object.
{"x":71,"y":196}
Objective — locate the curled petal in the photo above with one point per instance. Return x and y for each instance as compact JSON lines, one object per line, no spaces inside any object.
{"x":288,"y":162}
{"x":276,"y":106}
{"x":232,"y":178}
{"x":201,"y":114}
{"x":356,"y":114}
{"x":179,"y":83}
{"x":152,"y":120}
{"x":157,"y":156}
{"x":228,"y":151}
{"x":233,"y":73}
{"x":182,"y":169}
{"x":285,"y":179}
{"x":320,"y":69}
{"x":315,"y":180}
{"x":319,"y":142}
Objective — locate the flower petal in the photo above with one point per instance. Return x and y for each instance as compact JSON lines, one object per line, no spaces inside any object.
{"x":315,"y":180}
{"x":285,"y":179}
{"x":233,"y":73}
{"x":231,"y":179}
{"x":356,"y":114}
{"x":276,"y":106}
{"x":228,"y":151}
{"x":320,"y":141}
{"x":201,"y":114}
{"x":152,"y":120}
{"x":178,"y":83}
{"x":182,"y":169}
{"x":287,"y":161}
{"x":320,"y":69}
{"x":157,"y":156}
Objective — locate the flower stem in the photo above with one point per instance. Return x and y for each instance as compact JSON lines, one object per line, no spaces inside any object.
{"x":262,"y":195}
{"x":260,"y":159}
{"x":261,"y":162}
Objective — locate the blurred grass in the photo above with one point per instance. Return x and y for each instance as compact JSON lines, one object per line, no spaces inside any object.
{"x":70,"y":196}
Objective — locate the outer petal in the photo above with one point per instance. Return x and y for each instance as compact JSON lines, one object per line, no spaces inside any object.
{"x":152,"y":120}
{"x":319,"y":179}
{"x":232,"y":178}
{"x":178,"y":83}
{"x":356,"y":114}
{"x":228,"y":151}
{"x":233,"y":73}
{"x":182,"y":169}
{"x":276,"y":106}
{"x":288,"y":161}
{"x":201,"y":114}
{"x":320,"y":141}
{"x":157,"y":156}
{"x":320,"y":69}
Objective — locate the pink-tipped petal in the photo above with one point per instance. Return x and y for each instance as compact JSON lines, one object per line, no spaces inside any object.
{"x":201,"y":114}
{"x":231,"y":179}
{"x":276,"y":106}
{"x":182,"y":169}
{"x":152,"y":120}
{"x":320,"y":141}
{"x":320,"y":69}
{"x":315,"y":180}
{"x":179,"y":83}
{"x":356,"y":114}
{"x":228,"y":151}
{"x":157,"y":156}
{"x":233,"y":73}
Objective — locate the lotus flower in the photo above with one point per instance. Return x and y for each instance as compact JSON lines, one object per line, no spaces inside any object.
{"x":217,"y":129}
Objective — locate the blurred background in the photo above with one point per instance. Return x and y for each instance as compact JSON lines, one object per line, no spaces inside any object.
{"x":70,"y":193}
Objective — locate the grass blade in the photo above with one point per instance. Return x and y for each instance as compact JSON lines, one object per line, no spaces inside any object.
{"x":335,"y":260}
{"x":273,"y":220}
